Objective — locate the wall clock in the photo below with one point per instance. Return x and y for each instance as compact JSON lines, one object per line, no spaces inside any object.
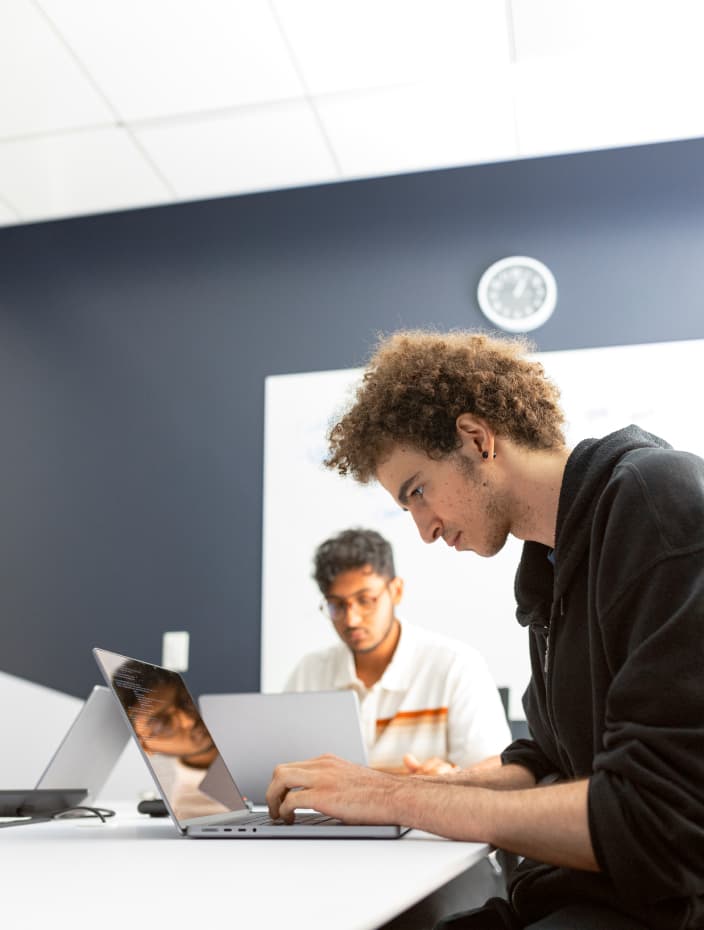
{"x":517,"y":293}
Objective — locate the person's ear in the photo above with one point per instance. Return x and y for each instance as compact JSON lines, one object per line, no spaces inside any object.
{"x":475,"y":434}
{"x":396,"y":590}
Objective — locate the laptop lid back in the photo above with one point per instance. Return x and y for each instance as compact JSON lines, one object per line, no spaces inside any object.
{"x":91,"y":747}
{"x":255,"y":732}
{"x":175,"y":743}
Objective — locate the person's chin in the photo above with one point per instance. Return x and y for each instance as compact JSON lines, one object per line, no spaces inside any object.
{"x":491,"y":550}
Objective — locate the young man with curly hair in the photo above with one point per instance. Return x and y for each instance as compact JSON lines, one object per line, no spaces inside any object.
{"x":428,"y":704}
{"x":605,"y":800}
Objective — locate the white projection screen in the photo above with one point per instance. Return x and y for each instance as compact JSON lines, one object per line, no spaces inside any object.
{"x":657,"y":386}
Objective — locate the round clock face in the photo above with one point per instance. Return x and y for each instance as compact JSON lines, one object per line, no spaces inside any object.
{"x":517,"y":293}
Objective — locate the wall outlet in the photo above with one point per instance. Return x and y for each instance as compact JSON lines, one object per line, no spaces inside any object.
{"x":174,"y":651}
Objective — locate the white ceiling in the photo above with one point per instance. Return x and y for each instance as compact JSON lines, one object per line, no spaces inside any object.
{"x":112,"y":104}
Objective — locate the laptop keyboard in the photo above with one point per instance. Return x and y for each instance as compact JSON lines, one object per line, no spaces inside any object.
{"x":266,"y":821}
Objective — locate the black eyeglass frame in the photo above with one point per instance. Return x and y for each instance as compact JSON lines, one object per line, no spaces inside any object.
{"x":344,"y":607}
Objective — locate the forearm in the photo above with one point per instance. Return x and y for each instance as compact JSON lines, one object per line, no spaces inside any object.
{"x":490,"y":773}
{"x":549,"y":823}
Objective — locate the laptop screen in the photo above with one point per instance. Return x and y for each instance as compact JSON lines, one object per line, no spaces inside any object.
{"x":175,"y":742}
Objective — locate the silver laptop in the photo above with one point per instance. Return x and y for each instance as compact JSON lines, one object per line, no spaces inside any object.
{"x":91,"y":747}
{"x":198,"y":790}
{"x":255,"y":732}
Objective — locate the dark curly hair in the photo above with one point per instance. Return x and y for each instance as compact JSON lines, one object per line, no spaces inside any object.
{"x":417,"y":383}
{"x":352,"y":549}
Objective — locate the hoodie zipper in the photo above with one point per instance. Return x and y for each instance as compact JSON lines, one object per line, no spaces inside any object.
{"x":546,"y":630}
{"x":546,"y":664}
{"x":546,"y":669}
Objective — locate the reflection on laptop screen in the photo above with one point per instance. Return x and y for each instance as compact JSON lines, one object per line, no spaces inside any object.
{"x":173,"y":737}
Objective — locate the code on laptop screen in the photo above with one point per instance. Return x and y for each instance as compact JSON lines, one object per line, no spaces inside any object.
{"x":173,"y":737}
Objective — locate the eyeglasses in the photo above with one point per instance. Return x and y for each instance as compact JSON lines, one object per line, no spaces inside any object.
{"x":169,"y":720}
{"x":335,"y":608}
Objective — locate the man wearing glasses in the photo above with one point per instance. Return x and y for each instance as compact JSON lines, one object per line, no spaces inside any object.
{"x":428,"y":704}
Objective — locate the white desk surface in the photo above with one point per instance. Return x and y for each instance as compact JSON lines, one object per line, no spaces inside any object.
{"x":134,"y":871}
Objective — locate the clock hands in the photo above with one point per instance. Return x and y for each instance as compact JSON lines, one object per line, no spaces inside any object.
{"x":519,"y":288}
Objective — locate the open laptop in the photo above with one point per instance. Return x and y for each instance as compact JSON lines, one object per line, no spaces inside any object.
{"x":91,"y":747}
{"x":254,"y":732}
{"x":198,"y":790}
{"x":85,"y":756}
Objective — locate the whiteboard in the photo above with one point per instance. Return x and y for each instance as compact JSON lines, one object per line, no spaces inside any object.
{"x":458,"y":594}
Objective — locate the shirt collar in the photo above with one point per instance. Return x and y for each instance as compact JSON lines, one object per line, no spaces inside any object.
{"x":398,"y":674}
{"x":345,"y":674}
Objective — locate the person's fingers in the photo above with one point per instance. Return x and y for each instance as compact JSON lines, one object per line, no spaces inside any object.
{"x":273,"y":799}
{"x":288,"y":816}
{"x":434,"y":766}
{"x":301,"y":798}
{"x":286,"y":776}
{"x":294,"y":784}
{"x":429,"y":767}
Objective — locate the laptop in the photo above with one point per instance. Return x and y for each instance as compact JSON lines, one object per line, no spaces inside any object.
{"x":198,"y":790}
{"x":91,"y":747}
{"x":85,"y":756}
{"x":254,"y":732}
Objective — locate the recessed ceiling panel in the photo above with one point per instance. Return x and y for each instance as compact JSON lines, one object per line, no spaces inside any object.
{"x":254,"y":148}
{"x":42,"y":87}
{"x":74,"y":173}
{"x":421,"y":127}
{"x":667,"y":29}
{"x":7,"y":215}
{"x":161,"y":57}
{"x":571,"y":106}
{"x":348,"y":45}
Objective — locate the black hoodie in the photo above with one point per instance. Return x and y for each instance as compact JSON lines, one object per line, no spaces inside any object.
{"x":617,"y":687}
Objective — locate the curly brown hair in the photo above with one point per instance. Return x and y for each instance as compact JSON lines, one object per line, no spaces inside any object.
{"x":417,"y":383}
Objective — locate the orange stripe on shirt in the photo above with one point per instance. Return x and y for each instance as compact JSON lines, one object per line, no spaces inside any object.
{"x":406,"y":717}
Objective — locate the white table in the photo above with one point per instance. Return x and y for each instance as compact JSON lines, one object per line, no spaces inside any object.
{"x":137,"y":872}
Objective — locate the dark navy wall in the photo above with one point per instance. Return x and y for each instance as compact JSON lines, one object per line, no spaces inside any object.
{"x":134,"y":347}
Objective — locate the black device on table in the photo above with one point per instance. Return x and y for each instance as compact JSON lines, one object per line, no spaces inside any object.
{"x":154,"y":807}
{"x":34,"y":802}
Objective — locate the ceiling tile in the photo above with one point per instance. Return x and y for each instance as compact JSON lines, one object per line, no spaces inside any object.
{"x":554,"y":27}
{"x":165,"y":57}
{"x":7,"y":215}
{"x":627,"y":28}
{"x":420,"y":127}
{"x":573,"y":106}
{"x":372,"y":43}
{"x":74,"y":173}
{"x":255,"y":148}
{"x":42,"y":88}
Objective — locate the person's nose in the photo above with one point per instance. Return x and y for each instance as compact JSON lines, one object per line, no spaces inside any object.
{"x":353,"y":614}
{"x":430,"y":528}
{"x":182,"y":719}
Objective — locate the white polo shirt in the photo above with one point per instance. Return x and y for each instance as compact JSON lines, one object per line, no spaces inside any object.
{"x":435,"y":698}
